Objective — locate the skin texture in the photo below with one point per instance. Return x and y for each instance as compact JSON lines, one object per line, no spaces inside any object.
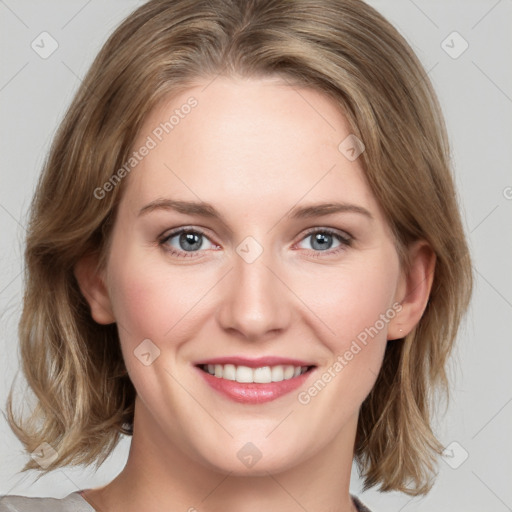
{"x":254,"y":149}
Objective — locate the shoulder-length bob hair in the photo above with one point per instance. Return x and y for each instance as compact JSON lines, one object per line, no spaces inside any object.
{"x":344,"y":48}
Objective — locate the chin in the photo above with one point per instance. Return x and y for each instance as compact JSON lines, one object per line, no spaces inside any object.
{"x":245,"y":459}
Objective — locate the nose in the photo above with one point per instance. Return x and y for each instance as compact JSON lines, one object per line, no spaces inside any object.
{"x":255,"y":302}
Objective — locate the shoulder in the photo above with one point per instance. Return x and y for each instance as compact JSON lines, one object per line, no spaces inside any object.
{"x":359,"y":505}
{"x":71,"y":503}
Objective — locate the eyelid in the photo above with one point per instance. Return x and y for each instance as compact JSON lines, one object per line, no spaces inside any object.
{"x":347,"y":237}
{"x":175,"y":231}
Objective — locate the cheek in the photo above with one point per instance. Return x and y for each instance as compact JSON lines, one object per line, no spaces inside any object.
{"x":138,"y":305}
{"x":354,"y":309}
{"x":153,"y":300}
{"x":149,"y":305}
{"x":147,"y":302}
{"x":352,"y":298}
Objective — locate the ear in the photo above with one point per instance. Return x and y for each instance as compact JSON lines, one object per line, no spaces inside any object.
{"x":92,"y":285}
{"x":413,"y":290}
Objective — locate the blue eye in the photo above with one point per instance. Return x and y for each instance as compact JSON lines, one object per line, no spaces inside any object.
{"x":322,"y":240}
{"x":190,"y":241}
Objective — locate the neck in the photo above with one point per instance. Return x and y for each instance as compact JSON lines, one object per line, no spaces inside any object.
{"x":159,"y":475}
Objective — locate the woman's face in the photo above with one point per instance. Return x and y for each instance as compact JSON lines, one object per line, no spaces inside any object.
{"x":260,"y":274}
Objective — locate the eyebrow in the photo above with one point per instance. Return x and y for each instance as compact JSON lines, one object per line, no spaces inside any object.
{"x":206,"y":210}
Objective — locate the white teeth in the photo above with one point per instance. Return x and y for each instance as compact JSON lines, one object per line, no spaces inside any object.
{"x":243,"y":374}
{"x":277,"y":373}
{"x":288,"y":372}
{"x":229,"y":372}
{"x":261,"y":375}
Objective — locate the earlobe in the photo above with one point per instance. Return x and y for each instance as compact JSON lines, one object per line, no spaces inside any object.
{"x":414,"y":290}
{"x":93,"y":288}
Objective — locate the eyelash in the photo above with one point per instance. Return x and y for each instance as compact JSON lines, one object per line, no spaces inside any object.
{"x":346,"y":241}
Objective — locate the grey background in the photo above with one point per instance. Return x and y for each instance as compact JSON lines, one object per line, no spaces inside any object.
{"x":475,"y":90}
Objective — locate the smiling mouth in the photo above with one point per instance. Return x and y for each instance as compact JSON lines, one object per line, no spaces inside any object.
{"x":260,"y":375}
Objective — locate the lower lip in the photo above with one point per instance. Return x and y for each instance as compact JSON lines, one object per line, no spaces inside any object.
{"x":253,"y":393}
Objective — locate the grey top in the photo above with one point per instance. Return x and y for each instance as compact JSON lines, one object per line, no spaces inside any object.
{"x":72,"y":503}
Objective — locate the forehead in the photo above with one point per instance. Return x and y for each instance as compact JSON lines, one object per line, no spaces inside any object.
{"x":249,"y":142}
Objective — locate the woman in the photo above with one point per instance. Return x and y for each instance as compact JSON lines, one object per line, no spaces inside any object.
{"x":245,"y":251}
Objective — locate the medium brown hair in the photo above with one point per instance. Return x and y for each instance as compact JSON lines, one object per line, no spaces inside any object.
{"x":344,"y":48}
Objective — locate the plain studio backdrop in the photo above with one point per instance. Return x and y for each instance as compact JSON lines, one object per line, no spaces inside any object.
{"x":466,"y":48}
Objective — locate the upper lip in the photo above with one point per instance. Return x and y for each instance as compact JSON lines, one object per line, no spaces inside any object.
{"x":257,"y":362}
